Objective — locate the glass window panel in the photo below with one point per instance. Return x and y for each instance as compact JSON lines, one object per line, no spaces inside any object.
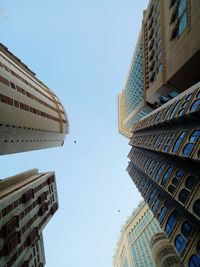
{"x":186,"y":229}
{"x":180,"y":244}
{"x":194,"y":261}
{"x":196,"y":207}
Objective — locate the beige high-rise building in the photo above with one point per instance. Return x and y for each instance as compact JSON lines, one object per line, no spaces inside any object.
{"x":31,"y":115}
{"x":165,"y":167}
{"x":166,"y":60}
{"x":27,"y":202}
{"x":133,"y":248}
{"x":171,"y":47}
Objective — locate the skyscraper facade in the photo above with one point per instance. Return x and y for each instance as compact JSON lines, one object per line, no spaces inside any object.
{"x":32,"y":117}
{"x":133,"y":248}
{"x":165,"y":167}
{"x":131,"y":101}
{"x":166,"y":60}
{"x":27,"y":203}
{"x":171,"y":48}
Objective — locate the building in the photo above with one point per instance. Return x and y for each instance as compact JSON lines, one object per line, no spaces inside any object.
{"x":32,"y":117}
{"x":165,"y":167}
{"x":171,"y":48}
{"x":133,"y":248}
{"x":27,"y":203}
{"x":169,"y":45}
{"x":164,"y":254}
{"x":132,"y":105}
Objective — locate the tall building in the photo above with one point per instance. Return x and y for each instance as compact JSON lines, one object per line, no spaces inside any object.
{"x":27,"y":203}
{"x":165,"y":167}
{"x":132,"y":105}
{"x":166,"y":60}
{"x":133,"y":248}
{"x":32,"y":116}
{"x":171,"y":48}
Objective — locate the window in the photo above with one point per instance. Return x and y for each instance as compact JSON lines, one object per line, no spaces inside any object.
{"x":183,"y":195}
{"x":156,"y":203}
{"x":194,"y":261}
{"x":184,"y":105}
{"x":171,"y":222}
{"x":186,"y":229}
{"x":190,"y":182}
{"x":179,"y":141}
{"x":193,"y":139}
{"x":163,"y":212}
{"x":182,"y":14}
{"x":196,"y":207}
{"x":166,"y":176}
{"x":160,"y":170}
{"x":151,"y":196}
{"x":148,"y":190}
{"x":180,"y":243}
{"x":171,"y":189}
{"x":167,"y":147}
{"x":195,"y":106}
{"x":173,"y":112}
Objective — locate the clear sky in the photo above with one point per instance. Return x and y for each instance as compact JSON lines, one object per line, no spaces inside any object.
{"x":82,"y":50}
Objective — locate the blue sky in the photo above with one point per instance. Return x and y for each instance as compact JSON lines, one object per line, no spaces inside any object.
{"x":81,"y":50}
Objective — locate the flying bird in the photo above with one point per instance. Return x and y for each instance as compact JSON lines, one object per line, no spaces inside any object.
{"x":118,"y":210}
{"x":75,"y":141}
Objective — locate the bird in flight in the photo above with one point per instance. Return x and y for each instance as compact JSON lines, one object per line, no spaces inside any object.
{"x":74,"y":141}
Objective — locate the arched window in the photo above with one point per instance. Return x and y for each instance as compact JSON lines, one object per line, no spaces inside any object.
{"x":179,"y":141}
{"x":186,"y":229}
{"x":189,"y":146}
{"x":148,"y":190}
{"x":169,"y":141}
{"x":174,"y":109}
{"x":196,"y":207}
{"x":152,"y":196}
{"x":166,"y":175}
{"x":190,"y":182}
{"x":180,"y":243}
{"x":195,"y":106}
{"x":183,"y":195}
{"x":184,"y":105}
{"x":156,"y":203}
{"x":171,"y":189}
{"x":194,"y":261}
{"x":171,"y":222}
{"x":175,"y":181}
{"x":180,"y":173}
{"x":162,"y":213}
{"x":188,"y":149}
{"x":160,"y":170}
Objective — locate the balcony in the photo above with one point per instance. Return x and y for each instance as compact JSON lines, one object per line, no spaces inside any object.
{"x":32,"y":236}
{"x":43,"y":209}
{"x":12,"y":243}
{"x":42,"y":198}
{"x":10,"y":226}
{"x":28,"y":196}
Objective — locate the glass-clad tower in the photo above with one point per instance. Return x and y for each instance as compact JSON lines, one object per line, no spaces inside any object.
{"x":133,"y":248}
{"x":131,"y":101}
